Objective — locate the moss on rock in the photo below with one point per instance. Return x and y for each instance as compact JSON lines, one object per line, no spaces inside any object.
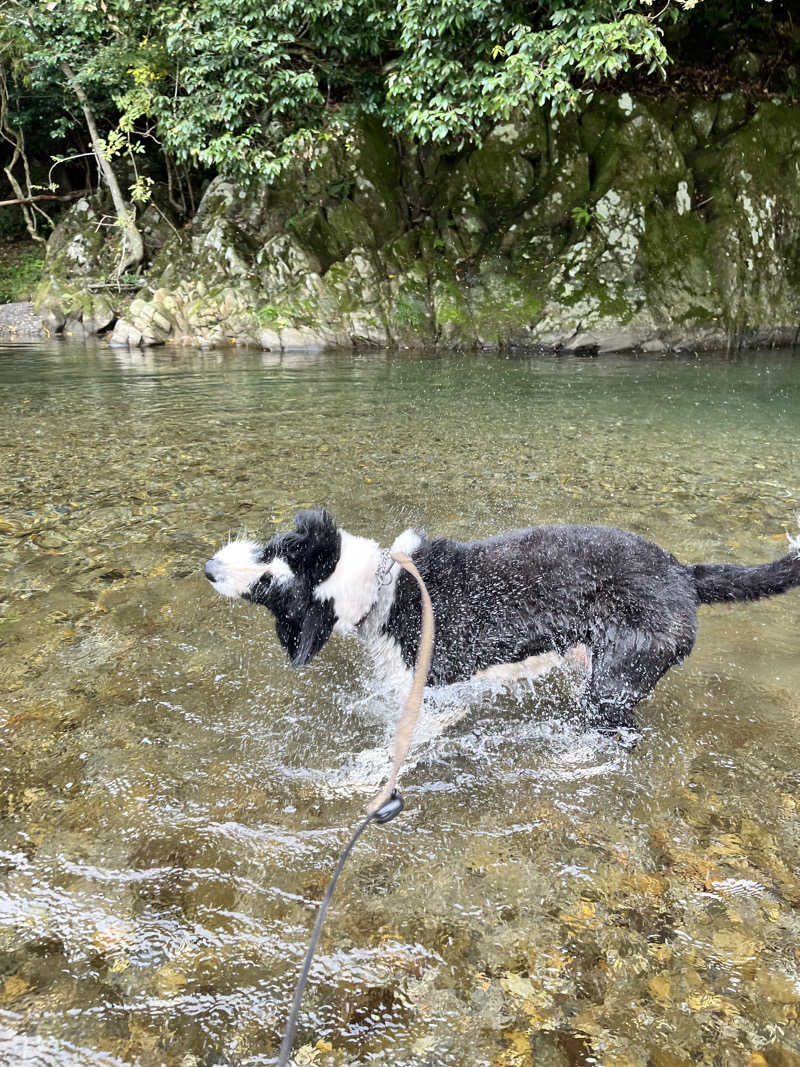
{"x":635,"y":223}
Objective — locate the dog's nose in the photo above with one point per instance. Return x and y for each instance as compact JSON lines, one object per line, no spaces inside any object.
{"x":211,"y":570}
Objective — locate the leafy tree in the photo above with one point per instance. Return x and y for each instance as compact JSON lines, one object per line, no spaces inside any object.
{"x":244,"y":86}
{"x":80,"y":48}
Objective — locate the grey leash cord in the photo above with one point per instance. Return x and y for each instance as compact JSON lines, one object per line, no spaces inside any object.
{"x":384,"y":814}
{"x":386,"y":805}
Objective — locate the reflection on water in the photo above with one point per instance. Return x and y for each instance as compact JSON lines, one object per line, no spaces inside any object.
{"x":174,"y":796}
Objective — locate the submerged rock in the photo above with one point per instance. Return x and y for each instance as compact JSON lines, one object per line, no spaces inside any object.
{"x":637,"y":224}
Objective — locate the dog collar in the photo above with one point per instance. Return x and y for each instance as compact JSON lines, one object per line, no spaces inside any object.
{"x":383,"y":578}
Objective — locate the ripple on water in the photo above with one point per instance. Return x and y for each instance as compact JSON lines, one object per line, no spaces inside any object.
{"x":175,"y":797}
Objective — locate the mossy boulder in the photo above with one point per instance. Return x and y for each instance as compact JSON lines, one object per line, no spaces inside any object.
{"x":637,"y":154}
{"x":78,"y":290}
{"x":731,"y":113}
{"x":498,"y":171}
{"x":82,"y":245}
{"x":755,"y":222}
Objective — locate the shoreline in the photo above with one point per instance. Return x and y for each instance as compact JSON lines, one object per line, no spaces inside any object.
{"x":21,"y":324}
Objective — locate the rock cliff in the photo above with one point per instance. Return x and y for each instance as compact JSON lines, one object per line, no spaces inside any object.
{"x":638,"y":223}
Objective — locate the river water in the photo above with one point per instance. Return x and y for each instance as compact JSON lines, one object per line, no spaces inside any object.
{"x":174,"y":796}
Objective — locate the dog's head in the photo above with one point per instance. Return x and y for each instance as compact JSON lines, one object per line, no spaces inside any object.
{"x":282,"y":575}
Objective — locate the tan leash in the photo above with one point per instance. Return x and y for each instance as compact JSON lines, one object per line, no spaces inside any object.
{"x":411,"y":708}
{"x":387,"y":804}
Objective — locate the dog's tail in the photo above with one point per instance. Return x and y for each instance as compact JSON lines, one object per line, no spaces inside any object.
{"x":720,"y":582}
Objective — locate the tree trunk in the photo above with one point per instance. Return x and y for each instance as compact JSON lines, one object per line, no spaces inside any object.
{"x":22,"y":199}
{"x":133,"y":248}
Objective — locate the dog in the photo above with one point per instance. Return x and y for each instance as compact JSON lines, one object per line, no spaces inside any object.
{"x":614,"y":604}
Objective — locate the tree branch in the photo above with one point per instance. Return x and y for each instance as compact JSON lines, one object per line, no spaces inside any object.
{"x":45,"y":196}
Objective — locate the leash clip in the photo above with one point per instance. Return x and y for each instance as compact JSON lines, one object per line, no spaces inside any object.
{"x":390,"y":810}
{"x":384,"y":575}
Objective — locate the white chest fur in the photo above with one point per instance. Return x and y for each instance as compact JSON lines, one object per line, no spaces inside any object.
{"x":351,"y":587}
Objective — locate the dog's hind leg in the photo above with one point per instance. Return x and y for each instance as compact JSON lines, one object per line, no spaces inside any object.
{"x":625,"y":670}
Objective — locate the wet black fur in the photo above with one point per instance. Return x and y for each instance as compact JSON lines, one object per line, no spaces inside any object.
{"x":536,"y":590}
{"x":302,"y":624}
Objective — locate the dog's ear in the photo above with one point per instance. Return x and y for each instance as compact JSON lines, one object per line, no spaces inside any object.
{"x":316,"y":629}
{"x":314,"y":546}
{"x":305,"y":628}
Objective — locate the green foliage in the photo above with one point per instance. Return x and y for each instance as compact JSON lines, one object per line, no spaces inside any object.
{"x":249,"y":86}
{"x":583,"y":216}
{"x":245,"y":86}
{"x":407,"y":311}
{"x":271,"y":317}
{"x":469,"y":63}
{"x":21,"y":267}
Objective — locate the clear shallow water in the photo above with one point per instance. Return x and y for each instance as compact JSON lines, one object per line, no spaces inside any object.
{"x":174,"y":797}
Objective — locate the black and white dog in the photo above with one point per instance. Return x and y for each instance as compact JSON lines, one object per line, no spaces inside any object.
{"x":609,"y":601}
